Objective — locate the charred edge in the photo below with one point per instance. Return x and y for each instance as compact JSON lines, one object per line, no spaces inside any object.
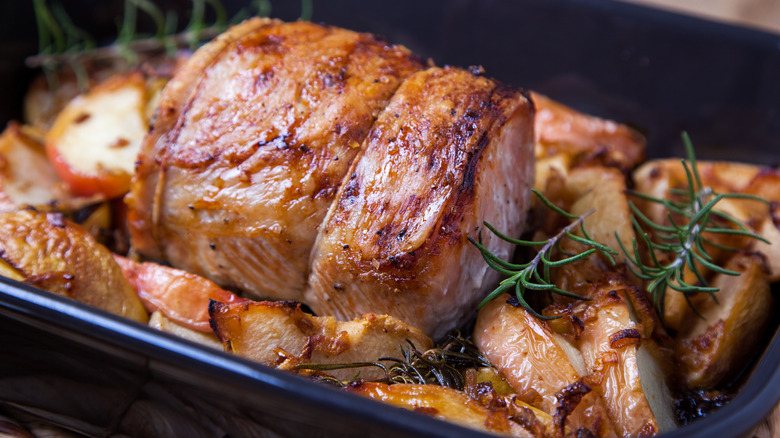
{"x":426,"y":410}
{"x":526,"y":94}
{"x":569,"y":398}
{"x":624,"y":338}
{"x":578,"y":325}
{"x":289,"y":307}
{"x":338,"y":81}
{"x":215,"y":308}
{"x":526,"y":418}
{"x":472,"y":165}
{"x":614,"y":297}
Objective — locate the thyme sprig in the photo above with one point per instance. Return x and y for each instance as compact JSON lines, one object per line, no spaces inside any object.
{"x":535,"y":274}
{"x":442,"y":365}
{"x":679,"y":247}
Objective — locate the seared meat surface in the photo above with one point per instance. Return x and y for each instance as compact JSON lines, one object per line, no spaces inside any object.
{"x":250,"y":143}
{"x":451,"y":150}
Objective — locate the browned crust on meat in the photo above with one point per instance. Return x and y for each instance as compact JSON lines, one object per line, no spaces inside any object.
{"x":144,"y":196}
{"x":251,"y":143}
{"x":401,"y":219}
{"x":449,"y":141}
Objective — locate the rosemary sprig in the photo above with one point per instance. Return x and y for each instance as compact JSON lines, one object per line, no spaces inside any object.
{"x":527,"y":276}
{"x":62,"y":44}
{"x":679,"y":247}
{"x":442,"y":365}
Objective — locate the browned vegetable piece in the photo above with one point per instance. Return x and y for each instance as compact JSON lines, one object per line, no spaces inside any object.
{"x":94,"y":141}
{"x":491,"y":390}
{"x":50,"y":252}
{"x":281,"y":334}
{"x":443,"y":403}
{"x":656,"y":178}
{"x":163,"y":323}
{"x":179,"y":295}
{"x":581,"y":138}
{"x":631,"y":379}
{"x":26,"y":175}
{"x":602,"y":189}
{"x":536,"y":360}
{"x":49,"y":94}
{"x":713,"y":348}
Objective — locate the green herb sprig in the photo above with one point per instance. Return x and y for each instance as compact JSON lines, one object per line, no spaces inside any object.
{"x":442,"y":365}
{"x":692,"y":216}
{"x":535,"y":274}
{"x":63,"y":44}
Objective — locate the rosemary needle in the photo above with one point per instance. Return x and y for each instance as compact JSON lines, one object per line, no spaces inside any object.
{"x":520,"y":278}
{"x":679,"y":246}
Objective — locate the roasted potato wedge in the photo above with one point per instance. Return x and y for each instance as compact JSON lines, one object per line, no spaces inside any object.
{"x":50,"y":252}
{"x":602,"y":189}
{"x":281,"y":334}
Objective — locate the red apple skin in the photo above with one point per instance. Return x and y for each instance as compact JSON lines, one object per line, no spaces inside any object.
{"x":108,"y":184}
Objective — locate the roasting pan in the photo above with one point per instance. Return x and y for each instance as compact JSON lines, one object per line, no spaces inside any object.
{"x":662,"y":73}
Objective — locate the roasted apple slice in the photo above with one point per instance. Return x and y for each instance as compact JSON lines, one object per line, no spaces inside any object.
{"x":714,"y":347}
{"x":179,"y":295}
{"x":657,"y":178}
{"x":443,"y":403}
{"x":50,"y":252}
{"x":535,"y":359}
{"x":563,"y":131}
{"x":281,"y":334}
{"x":159,"y":321}
{"x":94,"y":141}
{"x":631,"y":378}
{"x":27,"y":178}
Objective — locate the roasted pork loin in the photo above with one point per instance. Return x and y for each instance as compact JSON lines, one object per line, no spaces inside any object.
{"x":451,"y":150}
{"x":250,"y":142}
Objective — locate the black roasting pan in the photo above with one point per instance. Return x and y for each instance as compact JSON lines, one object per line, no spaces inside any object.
{"x":660,"y":72}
